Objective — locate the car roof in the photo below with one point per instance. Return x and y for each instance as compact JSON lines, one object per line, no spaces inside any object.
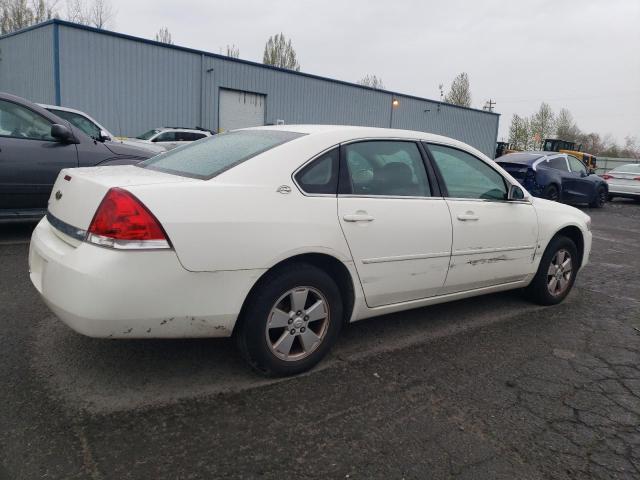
{"x":348,"y":132}
{"x":527,"y":157}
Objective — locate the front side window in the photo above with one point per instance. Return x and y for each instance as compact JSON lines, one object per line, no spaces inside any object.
{"x":576,"y":165}
{"x":217,"y":153}
{"x":19,"y":122}
{"x":386,"y":168}
{"x":321,"y":175}
{"x":466,"y":176}
{"x":79,"y":121}
{"x":558,"y":163}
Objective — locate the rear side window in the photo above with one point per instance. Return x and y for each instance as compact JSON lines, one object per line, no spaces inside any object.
{"x":321,"y":175}
{"x":218,"y":153}
{"x":558,"y":163}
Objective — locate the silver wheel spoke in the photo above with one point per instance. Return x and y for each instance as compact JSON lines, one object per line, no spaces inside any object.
{"x":566,"y":265}
{"x":284,"y":343}
{"x":552,"y":270}
{"x":552,"y":285}
{"x":309,"y":339}
{"x":278,"y":319}
{"x":560,"y":257}
{"x":298,"y":299}
{"x":562,"y":283}
{"x":316,"y":311}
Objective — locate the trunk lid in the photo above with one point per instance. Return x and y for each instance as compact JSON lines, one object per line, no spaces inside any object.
{"x":77,"y":192}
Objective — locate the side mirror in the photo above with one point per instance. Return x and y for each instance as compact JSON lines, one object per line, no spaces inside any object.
{"x":515,"y":193}
{"x":104,"y":136}
{"x":62,"y":134}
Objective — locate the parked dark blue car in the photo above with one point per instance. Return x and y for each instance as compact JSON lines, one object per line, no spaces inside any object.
{"x":556,"y":176}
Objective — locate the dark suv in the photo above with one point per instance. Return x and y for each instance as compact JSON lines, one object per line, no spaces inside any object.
{"x":35,"y":145}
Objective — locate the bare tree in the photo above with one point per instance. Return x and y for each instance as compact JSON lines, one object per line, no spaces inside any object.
{"x":543,"y":124}
{"x":95,"y":13}
{"x":17,"y":14}
{"x":233,"y":51}
{"x":280,"y":53}
{"x":519,"y":133}
{"x":164,"y":36}
{"x":566,"y":128}
{"x":371,"y":81}
{"x":459,"y":93}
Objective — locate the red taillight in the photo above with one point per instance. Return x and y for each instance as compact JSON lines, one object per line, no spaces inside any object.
{"x":122,"y":221}
{"x":637,"y":178}
{"x":606,"y":177}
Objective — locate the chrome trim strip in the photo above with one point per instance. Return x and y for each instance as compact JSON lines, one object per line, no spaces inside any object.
{"x":67,"y":229}
{"x":486,"y":200}
{"x":116,"y":244}
{"x":401,"y":197}
{"x":476,"y":251}
{"x":402,"y":258}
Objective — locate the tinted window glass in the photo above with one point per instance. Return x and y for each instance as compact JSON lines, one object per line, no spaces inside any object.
{"x":165,"y":137}
{"x":321,"y":175}
{"x":632,"y":168}
{"x":466,"y":176}
{"x":148,"y":135}
{"x":20,"y":122}
{"x":79,"y":121}
{"x":559,"y":163}
{"x":576,"y":165}
{"x":386,"y":168}
{"x":218,"y":153}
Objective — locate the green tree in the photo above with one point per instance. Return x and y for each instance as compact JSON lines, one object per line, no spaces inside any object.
{"x":519,"y":133}
{"x":460,"y":92}
{"x":17,"y":14}
{"x":371,"y":81}
{"x":542,"y":124}
{"x":280,"y":53}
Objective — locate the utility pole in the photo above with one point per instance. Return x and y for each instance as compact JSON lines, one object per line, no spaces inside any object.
{"x":488,"y":106}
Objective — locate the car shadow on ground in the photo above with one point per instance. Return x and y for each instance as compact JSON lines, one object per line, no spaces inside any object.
{"x":112,"y":375}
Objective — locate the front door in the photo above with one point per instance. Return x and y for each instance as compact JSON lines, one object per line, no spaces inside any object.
{"x":578,"y":188}
{"x":398,"y":233}
{"x":493,"y":239}
{"x":30,"y":158}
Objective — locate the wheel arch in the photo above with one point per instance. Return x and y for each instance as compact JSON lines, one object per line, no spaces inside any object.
{"x":330,"y":264}
{"x":574,"y":233}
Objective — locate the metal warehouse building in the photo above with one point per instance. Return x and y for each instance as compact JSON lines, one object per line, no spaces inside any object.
{"x":132,"y":84}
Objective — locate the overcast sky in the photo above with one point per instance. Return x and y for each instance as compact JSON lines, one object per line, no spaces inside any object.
{"x":580,"y":54}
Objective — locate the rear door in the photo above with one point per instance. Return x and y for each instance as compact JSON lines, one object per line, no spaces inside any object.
{"x":397,"y":226}
{"x":30,"y":158}
{"x":494,"y":239}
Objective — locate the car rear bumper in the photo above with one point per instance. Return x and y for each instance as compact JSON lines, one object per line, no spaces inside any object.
{"x":622,"y":189}
{"x":105,"y":293}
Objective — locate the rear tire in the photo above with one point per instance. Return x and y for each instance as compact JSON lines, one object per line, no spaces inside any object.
{"x":290,"y":321}
{"x":543,"y":289}
{"x":551,"y":192}
{"x":601,"y":198}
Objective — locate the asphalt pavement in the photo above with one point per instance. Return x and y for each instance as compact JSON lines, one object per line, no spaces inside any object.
{"x":491,"y":387}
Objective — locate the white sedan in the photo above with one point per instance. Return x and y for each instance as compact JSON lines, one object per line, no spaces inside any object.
{"x":280,"y":235}
{"x":624,"y":181}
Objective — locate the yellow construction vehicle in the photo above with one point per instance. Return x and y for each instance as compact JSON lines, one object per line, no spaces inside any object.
{"x":563,"y":146}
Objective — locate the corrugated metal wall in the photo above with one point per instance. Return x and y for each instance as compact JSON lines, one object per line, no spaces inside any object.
{"x":26,"y":65}
{"x":131,"y":85}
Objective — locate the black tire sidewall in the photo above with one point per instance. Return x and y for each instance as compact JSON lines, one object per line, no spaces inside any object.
{"x":538,"y":288}
{"x":251,"y":334}
{"x":549,"y":189}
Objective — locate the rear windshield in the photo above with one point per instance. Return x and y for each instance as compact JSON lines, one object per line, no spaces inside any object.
{"x":211,"y":156}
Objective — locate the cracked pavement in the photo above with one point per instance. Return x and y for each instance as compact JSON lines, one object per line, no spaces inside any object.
{"x":491,"y":387}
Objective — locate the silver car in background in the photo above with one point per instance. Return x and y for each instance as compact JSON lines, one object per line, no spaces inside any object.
{"x":624,"y":181}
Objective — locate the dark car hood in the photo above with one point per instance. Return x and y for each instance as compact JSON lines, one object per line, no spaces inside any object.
{"x":129,"y":150}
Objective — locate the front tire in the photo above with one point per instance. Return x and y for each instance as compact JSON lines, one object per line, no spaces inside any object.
{"x":556,"y":273}
{"x":290,"y":321}
{"x":601,"y":198}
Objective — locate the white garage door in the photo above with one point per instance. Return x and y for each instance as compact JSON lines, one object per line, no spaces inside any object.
{"x":240,"y":109}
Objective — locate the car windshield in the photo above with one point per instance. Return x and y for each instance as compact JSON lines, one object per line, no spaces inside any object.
{"x":148,"y":135}
{"x":80,"y":121}
{"x":211,"y":156}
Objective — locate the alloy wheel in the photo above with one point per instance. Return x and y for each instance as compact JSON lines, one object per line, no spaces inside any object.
{"x":559,"y":272}
{"x":297,"y":323}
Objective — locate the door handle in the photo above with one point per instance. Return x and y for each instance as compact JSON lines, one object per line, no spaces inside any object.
{"x":357,"y":217}
{"x":466,"y":217}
